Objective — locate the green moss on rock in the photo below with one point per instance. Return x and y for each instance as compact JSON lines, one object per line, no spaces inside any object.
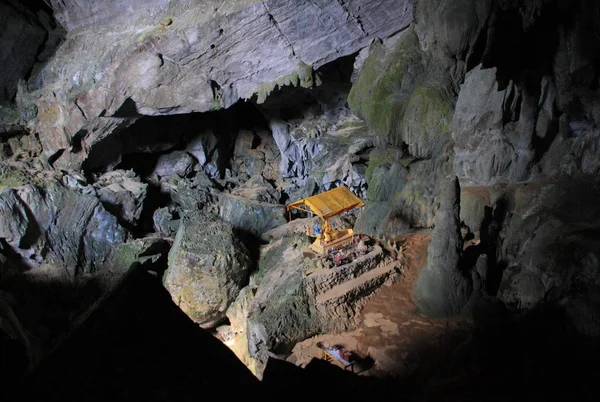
{"x":385,"y":83}
{"x":428,"y":114}
{"x":11,"y":177}
{"x":270,"y":257}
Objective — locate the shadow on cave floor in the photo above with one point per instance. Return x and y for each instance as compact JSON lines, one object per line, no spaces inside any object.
{"x":139,"y":344}
{"x":493,"y":356}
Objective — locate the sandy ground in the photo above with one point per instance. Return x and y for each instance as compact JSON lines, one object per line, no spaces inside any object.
{"x":392,"y":339}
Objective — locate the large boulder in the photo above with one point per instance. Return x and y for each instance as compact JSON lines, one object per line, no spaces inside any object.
{"x":176,"y":162}
{"x":441,"y":290}
{"x":208,"y":266}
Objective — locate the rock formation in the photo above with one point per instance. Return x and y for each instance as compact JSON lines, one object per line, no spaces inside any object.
{"x":441,"y":288}
{"x":52,"y":223}
{"x":207,"y":268}
{"x":148,"y":67}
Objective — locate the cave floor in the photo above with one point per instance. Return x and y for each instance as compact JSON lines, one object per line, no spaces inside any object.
{"x":392,"y":340}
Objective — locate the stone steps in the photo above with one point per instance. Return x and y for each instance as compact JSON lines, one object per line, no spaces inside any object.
{"x":359,"y":287}
{"x":322,"y":280}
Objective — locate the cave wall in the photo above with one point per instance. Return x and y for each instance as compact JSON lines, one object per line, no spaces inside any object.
{"x":501,"y":94}
{"x":29,"y":36}
{"x":511,"y":89}
{"x":21,"y":33}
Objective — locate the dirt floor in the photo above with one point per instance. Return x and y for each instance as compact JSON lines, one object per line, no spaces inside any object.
{"x":392,"y":339}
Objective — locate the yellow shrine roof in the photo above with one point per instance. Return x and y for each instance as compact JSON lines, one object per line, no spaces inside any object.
{"x":329,"y":203}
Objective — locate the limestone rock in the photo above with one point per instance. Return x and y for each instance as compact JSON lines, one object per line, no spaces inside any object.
{"x":281,"y":313}
{"x":427,"y":118}
{"x":385,"y":83}
{"x":256,"y":188}
{"x":486,"y":148}
{"x":69,"y":229}
{"x":150,"y":252}
{"x":473,"y":202}
{"x":385,"y":175}
{"x":190,"y":194}
{"x":206,"y":58}
{"x":122,"y":193}
{"x":450,"y":30}
{"x":549,"y":247}
{"x":176,"y":162}
{"x":314,"y":163}
{"x":573,"y":151}
{"x":207,"y":267}
{"x":203,"y":147}
{"x":21,"y":34}
{"x":251,"y":216}
{"x":441,"y":290}
{"x":372,"y":220}
{"x":405,"y":100}
{"x":164,"y":223}
{"x":237,"y":313}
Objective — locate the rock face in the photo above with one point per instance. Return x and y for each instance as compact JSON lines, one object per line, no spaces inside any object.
{"x":71,"y":230}
{"x":122,"y":193}
{"x":321,"y":162}
{"x":441,"y":289}
{"x":150,"y":72}
{"x":486,"y":146}
{"x":251,"y":216}
{"x":25,"y":38}
{"x":281,"y":313}
{"x":207,"y":267}
{"x":405,"y":99}
{"x":550,"y":255}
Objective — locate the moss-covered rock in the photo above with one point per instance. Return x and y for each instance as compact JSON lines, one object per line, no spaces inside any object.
{"x":281,"y":313}
{"x":208,"y":266}
{"x":373,"y":218}
{"x":428,"y":114}
{"x":385,"y":83}
{"x":385,"y":175}
{"x":140,"y":251}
